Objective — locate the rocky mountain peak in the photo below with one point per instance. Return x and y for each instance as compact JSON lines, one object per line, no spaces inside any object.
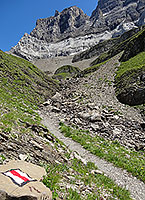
{"x":56,"y":13}
{"x":65,"y":22}
{"x":131,"y":9}
{"x":72,"y":31}
{"x":112,"y":14}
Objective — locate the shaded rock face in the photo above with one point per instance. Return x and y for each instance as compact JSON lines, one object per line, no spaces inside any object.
{"x":132,"y":96}
{"x":131,"y":87}
{"x":72,"y":31}
{"x":142,"y":19}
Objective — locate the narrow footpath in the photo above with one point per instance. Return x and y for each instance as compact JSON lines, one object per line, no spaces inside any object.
{"x":121,"y":177}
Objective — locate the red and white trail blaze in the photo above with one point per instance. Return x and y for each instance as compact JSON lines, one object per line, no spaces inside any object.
{"x":18,"y":177}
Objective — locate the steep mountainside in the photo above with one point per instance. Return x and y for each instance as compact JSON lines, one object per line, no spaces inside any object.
{"x":72,"y":31}
{"x":22,"y":88}
{"x":104,"y":46}
{"x":131,"y":47}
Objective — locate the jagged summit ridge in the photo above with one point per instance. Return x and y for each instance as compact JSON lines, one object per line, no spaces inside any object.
{"x":69,"y":22}
{"x":72,"y":31}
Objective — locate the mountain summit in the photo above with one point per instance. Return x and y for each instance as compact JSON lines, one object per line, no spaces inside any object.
{"x":68,"y":23}
{"x":72,"y":31}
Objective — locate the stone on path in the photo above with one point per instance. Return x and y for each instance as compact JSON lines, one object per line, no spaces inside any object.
{"x":31,"y":190}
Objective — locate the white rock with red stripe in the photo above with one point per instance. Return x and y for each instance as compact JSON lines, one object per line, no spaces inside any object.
{"x":20,"y":179}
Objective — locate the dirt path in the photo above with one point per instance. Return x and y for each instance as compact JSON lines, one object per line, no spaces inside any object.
{"x":121,"y":177}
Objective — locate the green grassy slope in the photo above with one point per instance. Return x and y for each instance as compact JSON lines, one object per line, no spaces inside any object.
{"x":111,"y":151}
{"x":135,"y":63}
{"x":22,"y":88}
{"x":135,"y":45}
{"x":66,"y":71}
{"x":129,"y":85}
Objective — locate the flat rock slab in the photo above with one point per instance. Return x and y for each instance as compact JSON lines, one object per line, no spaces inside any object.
{"x":31,"y":190}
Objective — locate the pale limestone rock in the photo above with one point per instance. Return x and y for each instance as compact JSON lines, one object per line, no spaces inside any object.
{"x":56,"y":97}
{"x":32,"y":190}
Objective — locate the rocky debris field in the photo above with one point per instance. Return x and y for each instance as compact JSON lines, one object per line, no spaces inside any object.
{"x":30,"y":147}
{"x":90,"y":103}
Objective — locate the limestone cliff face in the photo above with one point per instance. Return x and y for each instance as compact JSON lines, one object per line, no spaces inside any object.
{"x":118,"y":15}
{"x":72,"y":31}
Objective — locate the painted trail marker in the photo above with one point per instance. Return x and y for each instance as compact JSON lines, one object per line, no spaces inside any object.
{"x":18,"y":177}
{"x":23,"y":179}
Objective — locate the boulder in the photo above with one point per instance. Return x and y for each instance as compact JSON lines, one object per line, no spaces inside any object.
{"x":34,"y":190}
{"x":56,"y":97}
{"x":84,"y":115}
{"x":47,"y":103}
{"x":95,"y":117}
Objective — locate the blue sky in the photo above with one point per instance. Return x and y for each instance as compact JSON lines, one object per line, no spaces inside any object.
{"x":19,"y":16}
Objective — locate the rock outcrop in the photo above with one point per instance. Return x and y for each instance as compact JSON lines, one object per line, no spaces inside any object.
{"x":134,"y":46}
{"x":66,"y":71}
{"x":130,"y":87}
{"x":71,"y":31}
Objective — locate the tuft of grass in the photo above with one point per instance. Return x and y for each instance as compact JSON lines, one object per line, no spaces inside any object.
{"x":112,"y":151}
{"x":62,"y":76}
{"x":2,"y":158}
{"x":99,"y":183}
{"x":135,"y":63}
